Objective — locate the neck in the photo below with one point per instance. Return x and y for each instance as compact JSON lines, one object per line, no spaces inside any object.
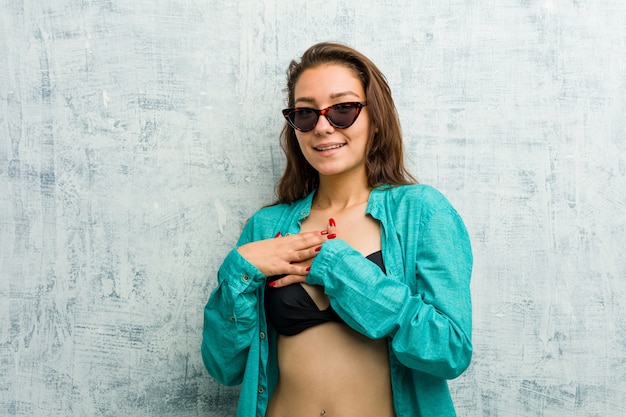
{"x":341,"y":192}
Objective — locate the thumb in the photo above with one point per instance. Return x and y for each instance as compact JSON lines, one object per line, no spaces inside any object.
{"x":332,"y":226}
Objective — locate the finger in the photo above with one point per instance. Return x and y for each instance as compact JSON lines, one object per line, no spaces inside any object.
{"x":297,"y":274}
{"x":305,"y":254}
{"x":306,"y":240}
{"x":287,"y":280}
{"x":310,"y":253}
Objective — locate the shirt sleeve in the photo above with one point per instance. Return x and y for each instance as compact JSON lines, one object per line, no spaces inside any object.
{"x":230,"y":316}
{"x":429,"y":328}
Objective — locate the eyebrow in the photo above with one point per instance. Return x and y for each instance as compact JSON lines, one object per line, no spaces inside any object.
{"x":333,"y":96}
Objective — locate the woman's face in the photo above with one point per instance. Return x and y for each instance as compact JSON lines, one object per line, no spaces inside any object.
{"x":330,"y":150}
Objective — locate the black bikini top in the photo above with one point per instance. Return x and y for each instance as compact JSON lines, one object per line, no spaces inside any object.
{"x":292,"y":310}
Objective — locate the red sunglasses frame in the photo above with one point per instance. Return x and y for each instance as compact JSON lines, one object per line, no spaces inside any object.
{"x":357,"y":105}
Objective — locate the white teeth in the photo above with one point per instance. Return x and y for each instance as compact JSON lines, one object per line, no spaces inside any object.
{"x":330,"y":147}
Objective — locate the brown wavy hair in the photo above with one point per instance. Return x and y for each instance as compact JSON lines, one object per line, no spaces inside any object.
{"x":384,"y":162}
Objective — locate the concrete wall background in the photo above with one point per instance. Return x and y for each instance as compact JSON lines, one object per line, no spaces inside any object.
{"x":137,"y":136}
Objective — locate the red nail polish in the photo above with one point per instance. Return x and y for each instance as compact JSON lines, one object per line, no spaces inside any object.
{"x":319,"y":248}
{"x":277,"y":234}
{"x":331,"y":222}
{"x":331,"y":236}
{"x":272,"y":284}
{"x":308,"y":269}
{"x":324,"y":232}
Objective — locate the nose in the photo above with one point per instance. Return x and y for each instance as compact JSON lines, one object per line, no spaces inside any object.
{"x":323,"y":125}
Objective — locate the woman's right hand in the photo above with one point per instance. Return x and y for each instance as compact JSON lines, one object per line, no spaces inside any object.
{"x":285,"y":255}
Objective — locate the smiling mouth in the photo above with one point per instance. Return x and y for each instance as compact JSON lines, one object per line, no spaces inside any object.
{"x":328,"y":148}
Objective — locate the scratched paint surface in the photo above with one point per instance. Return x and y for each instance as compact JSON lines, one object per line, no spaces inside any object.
{"x":136,"y":137}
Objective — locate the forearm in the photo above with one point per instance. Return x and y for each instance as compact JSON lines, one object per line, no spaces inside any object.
{"x":230,"y":319}
{"x":422,"y":337}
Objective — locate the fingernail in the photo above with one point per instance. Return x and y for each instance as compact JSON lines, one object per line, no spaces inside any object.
{"x":324,"y":232}
{"x":331,"y":222}
{"x":308,"y":269}
{"x":331,"y":236}
{"x":277,"y":234}
{"x":272,"y":284}
{"x":319,"y":248}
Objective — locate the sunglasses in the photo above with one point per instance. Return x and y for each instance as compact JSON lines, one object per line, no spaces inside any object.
{"x":341,"y":115}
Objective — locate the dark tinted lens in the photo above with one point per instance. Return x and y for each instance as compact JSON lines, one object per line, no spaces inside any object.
{"x":343,"y":115}
{"x":304,"y":119}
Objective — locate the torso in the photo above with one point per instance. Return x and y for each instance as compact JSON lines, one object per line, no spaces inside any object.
{"x":330,"y":369}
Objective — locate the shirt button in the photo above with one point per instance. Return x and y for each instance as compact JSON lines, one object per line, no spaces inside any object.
{"x":261,"y":390}
{"x":262,"y":335}
{"x":304,"y":213}
{"x":245,"y":278}
{"x":232,"y":318}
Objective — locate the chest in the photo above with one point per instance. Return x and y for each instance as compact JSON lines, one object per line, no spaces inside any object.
{"x":358,"y":229}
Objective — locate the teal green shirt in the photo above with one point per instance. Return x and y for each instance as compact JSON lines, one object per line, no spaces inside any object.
{"x":422,"y":305}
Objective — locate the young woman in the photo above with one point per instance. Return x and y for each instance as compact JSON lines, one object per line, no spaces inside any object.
{"x":349,"y":296}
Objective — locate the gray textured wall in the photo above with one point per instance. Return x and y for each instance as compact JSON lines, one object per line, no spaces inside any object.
{"x":136,"y":136}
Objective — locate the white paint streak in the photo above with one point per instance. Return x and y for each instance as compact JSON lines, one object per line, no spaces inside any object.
{"x":105,"y":99}
{"x":222,"y":215}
